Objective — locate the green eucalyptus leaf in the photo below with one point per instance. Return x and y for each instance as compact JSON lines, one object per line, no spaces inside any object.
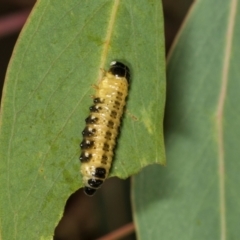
{"x":60,"y":54}
{"x":197,"y":195}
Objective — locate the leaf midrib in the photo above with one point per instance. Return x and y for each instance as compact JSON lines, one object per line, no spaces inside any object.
{"x":220,"y":115}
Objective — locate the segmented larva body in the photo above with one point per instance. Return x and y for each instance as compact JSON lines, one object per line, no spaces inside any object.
{"x":102,"y":126}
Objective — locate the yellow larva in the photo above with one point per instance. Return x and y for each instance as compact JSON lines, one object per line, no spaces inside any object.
{"x":102,"y":126}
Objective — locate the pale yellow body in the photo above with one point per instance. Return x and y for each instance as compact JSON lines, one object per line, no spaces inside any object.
{"x":111,"y":92}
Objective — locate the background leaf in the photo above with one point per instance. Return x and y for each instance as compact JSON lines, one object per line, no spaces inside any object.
{"x":46,"y":98}
{"x":197,"y":195}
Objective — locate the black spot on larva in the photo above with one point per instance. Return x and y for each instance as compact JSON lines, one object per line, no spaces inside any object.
{"x":118,"y":69}
{"x":119,"y":98}
{"x":89,"y":191}
{"x":91,"y":120}
{"x":100,"y":173}
{"x":97,"y":100}
{"x":104,"y":159}
{"x":113,"y":114}
{"x":88,"y":132}
{"x":108,"y":135}
{"x":105,"y":147}
{"x":96,"y":183}
{"x":85,"y":157}
{"x":86,"y":144}
{"x":95,"y":108}
{"x":110,"y":124}
{"x":119,"y":94}
{"x":117,"y":103}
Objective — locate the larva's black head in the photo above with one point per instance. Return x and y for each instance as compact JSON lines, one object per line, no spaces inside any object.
{"x":120,"y":70}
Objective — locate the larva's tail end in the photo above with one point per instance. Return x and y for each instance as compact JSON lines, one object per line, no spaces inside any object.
{"x":89,"y":191}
